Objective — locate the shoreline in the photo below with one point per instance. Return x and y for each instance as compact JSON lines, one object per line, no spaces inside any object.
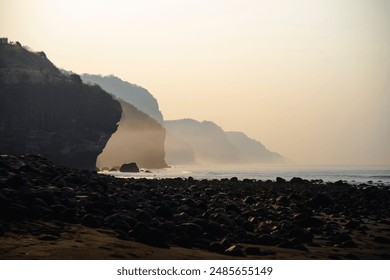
{"x":371,"y":176}
{"x":46,"y":210}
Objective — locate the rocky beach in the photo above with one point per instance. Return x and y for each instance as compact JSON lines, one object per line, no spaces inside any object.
{"x":49,"y":211}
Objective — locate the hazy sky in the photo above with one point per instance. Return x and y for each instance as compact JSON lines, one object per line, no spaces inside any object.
{"x":310,"y":79}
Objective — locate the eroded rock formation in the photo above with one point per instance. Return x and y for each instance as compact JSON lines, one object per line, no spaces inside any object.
{"x":45,"y":112}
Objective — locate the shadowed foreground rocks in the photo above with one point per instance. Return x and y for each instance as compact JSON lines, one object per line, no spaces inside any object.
{"x":231,"y":217}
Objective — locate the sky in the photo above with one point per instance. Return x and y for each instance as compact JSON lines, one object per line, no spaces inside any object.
{"x":310,"y":79}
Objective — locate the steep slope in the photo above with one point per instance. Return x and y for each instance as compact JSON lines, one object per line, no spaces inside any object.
{"x":132,"y":94}
{"x":43,"y":111}
{"x":190,"y":141}
{"x":139,"y":139}
{"x":208,"y":141}
{"x":252,"y":151}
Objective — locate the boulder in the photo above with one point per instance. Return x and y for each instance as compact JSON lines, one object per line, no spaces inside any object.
{"x":129,"y":167}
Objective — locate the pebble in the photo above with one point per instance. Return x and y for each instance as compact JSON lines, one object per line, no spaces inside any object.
{"x":212,"y":214}
{"x":235,"y":250}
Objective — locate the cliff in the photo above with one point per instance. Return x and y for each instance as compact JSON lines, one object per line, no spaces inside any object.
{"x":139,"y":139}
{"x":190,"y":141}
{"x":45,"y":112}
{"x":141,"y":98}
{"x":252,"y":151}
{"x":208,"y":141}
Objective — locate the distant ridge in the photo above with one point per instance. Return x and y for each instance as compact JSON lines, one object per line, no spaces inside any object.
{"x":252,"y":151}
{"x":206,"y":142}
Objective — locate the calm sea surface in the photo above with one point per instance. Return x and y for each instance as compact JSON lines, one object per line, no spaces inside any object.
{"x":354,"y":175}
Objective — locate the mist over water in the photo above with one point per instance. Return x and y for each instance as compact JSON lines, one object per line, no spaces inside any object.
{"x":378,"y":175}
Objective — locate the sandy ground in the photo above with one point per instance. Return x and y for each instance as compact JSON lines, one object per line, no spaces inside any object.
{"x":79,"y":242}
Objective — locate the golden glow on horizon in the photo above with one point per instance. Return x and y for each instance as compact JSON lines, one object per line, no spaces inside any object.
{"x":309,"y":79}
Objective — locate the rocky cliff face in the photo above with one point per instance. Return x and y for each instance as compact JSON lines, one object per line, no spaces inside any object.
{"x":139,"y":139}
{"x":135,"y":95}
{"x":45,"y":112}
{"x":140,"y":136}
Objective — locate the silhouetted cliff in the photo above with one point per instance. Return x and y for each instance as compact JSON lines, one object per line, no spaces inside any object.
{"x":43,"y":111}
{"x":140,"y":136}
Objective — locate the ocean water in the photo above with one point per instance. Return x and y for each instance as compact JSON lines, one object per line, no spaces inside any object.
{"x":378,"y":175}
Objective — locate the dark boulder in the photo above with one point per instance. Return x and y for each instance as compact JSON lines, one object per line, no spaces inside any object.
{"x":90,"y":220}
{"x":250,"y":200}
{"x":305,"y":220}
{"x":232,"y":208}
{"x":129,"y":167}
{"x":352,"y":225}
{"x":164,"y":211}
{"x":15,"y":181}
{"x":16,"y":211}
{"x":216,"y":247}
{"x":382,"y":239}
{"x":69,"y":215}
{"x":321,"y":200}
{"x":143,"y":216}
{"x":297,"y":180}
{"x":280,"y":180}
{"x":149,"y":235}
{"x":214,"y":229}
{"x":192,"y":230}
{"x":267,"y":239}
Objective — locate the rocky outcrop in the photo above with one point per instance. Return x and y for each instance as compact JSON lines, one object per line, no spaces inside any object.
{"x":139,"y":139}
{"x":45,"y":112}
{"x":129,"y":167}
{"x":141,"y":98}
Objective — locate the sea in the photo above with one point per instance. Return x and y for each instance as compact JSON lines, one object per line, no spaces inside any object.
{"x":356,"y":175}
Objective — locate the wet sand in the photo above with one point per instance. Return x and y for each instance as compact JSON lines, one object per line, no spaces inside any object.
{"x":82,"y":243}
